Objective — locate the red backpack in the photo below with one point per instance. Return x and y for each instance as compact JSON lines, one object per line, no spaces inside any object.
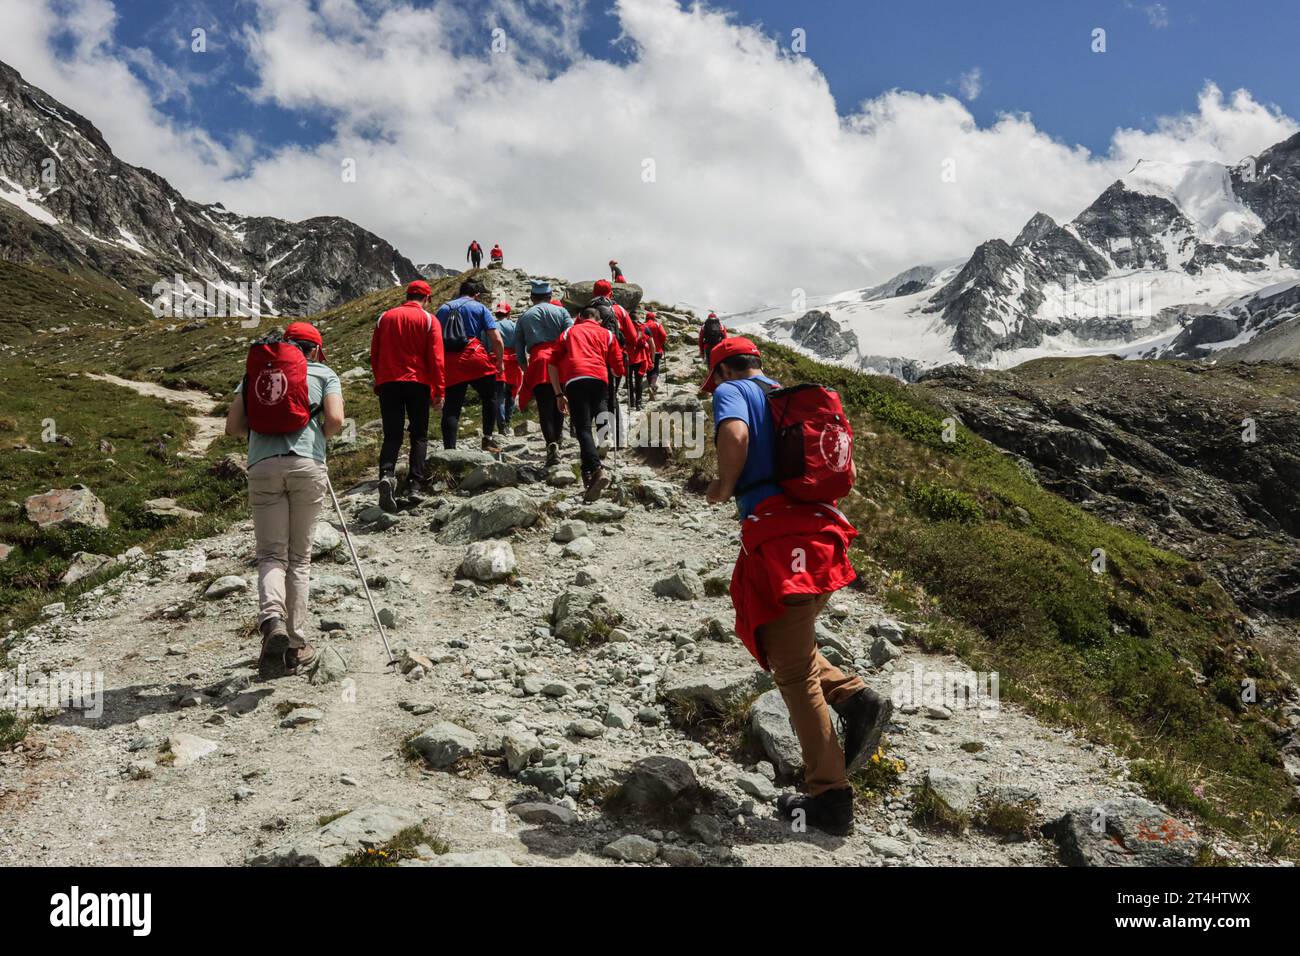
{"x":275,"y":394}
{"x":814,"y":442}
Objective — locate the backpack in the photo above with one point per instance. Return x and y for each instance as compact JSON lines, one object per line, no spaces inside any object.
{"x":455,"y":336}
{"x":712,"y":334}
{"x":609,"y":318}
{"x":276,"y":400}
{"x":813,"y":453}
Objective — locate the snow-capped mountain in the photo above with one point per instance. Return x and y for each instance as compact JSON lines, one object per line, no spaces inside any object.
{"x":67,"y":202}
{"x":1172,"y":260}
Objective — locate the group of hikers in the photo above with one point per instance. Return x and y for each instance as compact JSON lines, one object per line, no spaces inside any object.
{"x":794,"y":541}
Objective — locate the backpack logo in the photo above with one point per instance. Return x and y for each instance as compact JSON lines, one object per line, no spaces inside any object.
{"x":271,"y":386}
{"x":836,"y":447}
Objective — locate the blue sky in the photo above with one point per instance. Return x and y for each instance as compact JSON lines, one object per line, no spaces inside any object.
{"x":1032,"y":56}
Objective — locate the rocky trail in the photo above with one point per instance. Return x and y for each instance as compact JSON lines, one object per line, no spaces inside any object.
{"x":575,"y":696}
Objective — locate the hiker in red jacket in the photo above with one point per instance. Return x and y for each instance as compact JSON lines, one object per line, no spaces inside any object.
{"x":474,"y":256}
{"x":498,"y":257}
{"x":585,"y":355}
{"x":793,"y":556}
{"x":615,"y":272}
{"x":640,"y":356}
{"x":659,"y":337}
{"x":407,"y":362}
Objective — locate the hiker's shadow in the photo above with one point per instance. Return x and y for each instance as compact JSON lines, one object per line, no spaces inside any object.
{"x":125,"y":705}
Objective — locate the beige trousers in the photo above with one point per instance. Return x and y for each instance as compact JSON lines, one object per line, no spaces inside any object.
{"x":286,"y":495}
{"x":808,"y":683}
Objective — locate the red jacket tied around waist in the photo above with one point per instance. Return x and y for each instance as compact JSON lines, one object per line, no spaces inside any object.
{"x":787,"y":548}
{"x":406,"y":346}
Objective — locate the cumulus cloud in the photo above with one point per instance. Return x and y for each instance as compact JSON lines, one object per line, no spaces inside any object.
{"x":971,"y":83}
{"x":711,"y":162}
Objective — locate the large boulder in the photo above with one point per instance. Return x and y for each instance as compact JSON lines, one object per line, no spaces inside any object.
{"x":456,"y":461}
{"x":659,"y":783}
{"x":489,"y":515}
{"x":65,"y":507}
{"x":491,"y":474}
{"x":324,"y":539}
{"x":626,"y":294}
{"x":332,"y":843}
{"x":166,"y":509}
{"x":1127,"y":831}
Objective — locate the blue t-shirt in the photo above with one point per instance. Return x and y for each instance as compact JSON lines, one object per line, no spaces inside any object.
{"x":745,"y":400}
{"x":478,"y":318}
{"x":507,"y":329}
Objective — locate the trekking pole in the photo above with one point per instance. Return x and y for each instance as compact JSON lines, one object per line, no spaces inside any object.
{"x":362,"y":574}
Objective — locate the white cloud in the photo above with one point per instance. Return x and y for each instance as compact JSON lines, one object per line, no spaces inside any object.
{"x":971,"y":83}
{"x":760,"y":185}
{"x":1157,"y":15}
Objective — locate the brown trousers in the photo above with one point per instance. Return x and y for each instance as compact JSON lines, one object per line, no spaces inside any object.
{"x":808,"y":683}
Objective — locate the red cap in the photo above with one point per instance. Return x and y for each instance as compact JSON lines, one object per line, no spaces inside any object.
{"x":726,"y":349}
{"x":501,"y":308}
{"x":649,"y":315}
{"x":602,"y":287}
{"x":305,"y":332}
{"x":419,"y":287}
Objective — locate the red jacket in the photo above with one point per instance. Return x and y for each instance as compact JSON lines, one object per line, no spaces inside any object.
{"x":627,"y":326}
{"x":587,"y":350}
{"x":641,"y":349}
{"x":658,"y":333}
{"x":787,"y":548}
{"x":497,"y":253}
{"x":406,"y":346}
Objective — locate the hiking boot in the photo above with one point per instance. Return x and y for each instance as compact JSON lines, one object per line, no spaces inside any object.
{"x":552,"y":454}
{"x":863,"y":717}
{"x":831,"y":811}
{"x":275,"y":644}
{"x":489,"y":444}
{"x":299,"y":656}
{"x":388,"y":494}
{"x":595,"y":485}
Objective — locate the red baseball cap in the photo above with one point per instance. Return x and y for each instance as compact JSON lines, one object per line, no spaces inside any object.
{"x":419,"y":287}
{"x":602,"y":287}
{"x":649,"y":315}
{"x":501,"y":308}
{"x":305,"y":332}
{"x":726,"y":349}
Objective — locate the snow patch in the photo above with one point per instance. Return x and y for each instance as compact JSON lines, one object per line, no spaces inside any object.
{"x":1202,"y":191}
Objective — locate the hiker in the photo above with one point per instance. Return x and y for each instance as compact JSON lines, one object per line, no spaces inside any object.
{"x":407,"y":362}
{"x":535,"y":336}
{"x":584,"y":358}
{"x":287,"y":405}
{"x":793,"y":556}
{"x":512,"y":376}
{"x":467,"y":327}
{"x":614,"y":318}
{"x":659,"y":335}
{"x":498,"y":257}
{"x":640,"y":356}
{"x":475,"y":254}
{"x":616,"y":273}
{"x":711,"y":333}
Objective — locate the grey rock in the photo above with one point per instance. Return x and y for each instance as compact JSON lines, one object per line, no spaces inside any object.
{"x":1127,"y":831}
{"x":957,"y":792}
{"x":769,"y":719}
{"x":569,"y":531}
{"x":720,"y":693}
{"x":492,"y":474}
{"x":757,"y":785}
{"x":520,"y":748}
{"x":330,"y":666}
{"x":489,"y":515}
{"x":544,"y":813}
{"x":883,"y":651}
{"x":683,"y":585}
{"x":225,"y":586}
{"x":83,"y":565}
{"x":324,"y":539}
{"x":64,"y":507}
{"x":329,"y":845}
{"x":443,"y":744}
{"x":301,"y":716}
{"x":581,"y":615}
{"x":632,"y":849}
{"x":658,"y":781}
{"x":618,"y":716}
{"x":488,"y":561}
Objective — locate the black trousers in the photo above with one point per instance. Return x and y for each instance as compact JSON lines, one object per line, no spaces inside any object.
{"x":486,"y":387}
{"x":588,"y":398}
{"x":549,"y":414}
{"x":656,"y":368}
{"x":399,"y":403}
{"x":635,"y":387}
{"x":476,"y":260}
